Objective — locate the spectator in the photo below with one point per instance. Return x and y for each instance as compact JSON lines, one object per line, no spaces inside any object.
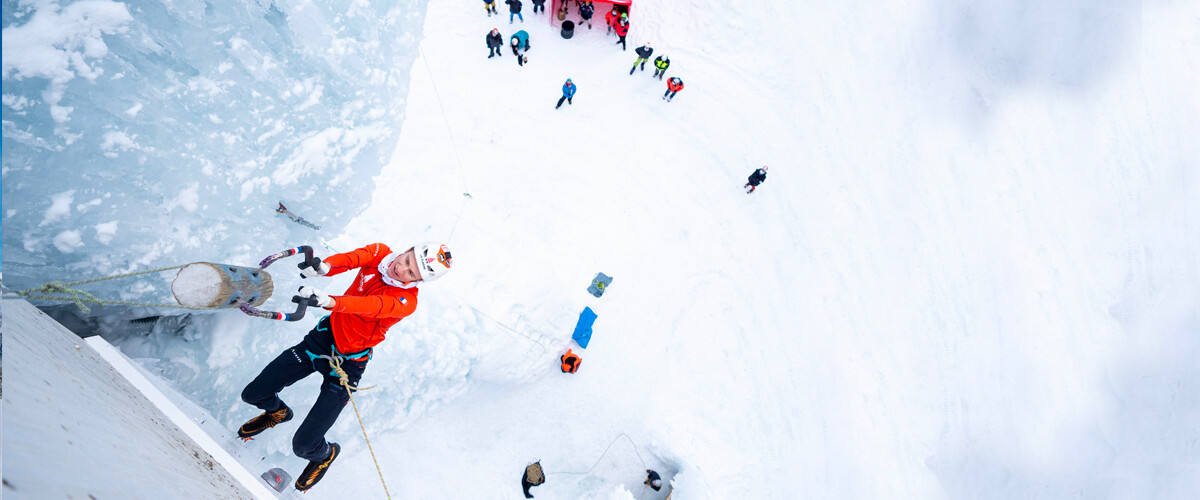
{"x":755,"y":179}
{"x":611,"y":19}
{"x":514,"y":9}
{"x":622,"y":29}
{"x":674,"y":85}
{"x":520,"y":40}
{"x":568,"y":90}
{"x":494,"y":42}
{"x":585,"y":13}
{"x":661,"y":63}
{"x":644,"y":52}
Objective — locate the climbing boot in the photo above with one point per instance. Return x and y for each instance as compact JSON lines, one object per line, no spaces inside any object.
{"x":314,"y":471}
{"x":267,"y":420}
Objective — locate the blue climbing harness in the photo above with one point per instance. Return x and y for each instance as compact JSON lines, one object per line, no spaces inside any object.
{"x":313,"y":357}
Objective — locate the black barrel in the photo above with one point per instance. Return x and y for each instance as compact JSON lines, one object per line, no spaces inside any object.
{"x":568,"y":29}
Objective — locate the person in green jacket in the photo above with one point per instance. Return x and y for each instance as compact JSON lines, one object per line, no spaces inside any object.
{"x":660,"y":66}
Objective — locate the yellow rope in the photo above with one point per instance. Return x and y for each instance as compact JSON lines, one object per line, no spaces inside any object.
{"x":336,"y":361}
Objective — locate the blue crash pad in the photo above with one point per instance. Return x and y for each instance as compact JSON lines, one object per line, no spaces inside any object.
{"x":583,"y":328}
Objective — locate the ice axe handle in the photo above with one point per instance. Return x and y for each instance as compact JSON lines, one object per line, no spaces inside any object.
{"x":302,"y":303}
{"x":307,"y":250}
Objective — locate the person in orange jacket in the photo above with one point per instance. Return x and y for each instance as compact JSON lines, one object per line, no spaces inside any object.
{"x":674,"y":85}
{"x":383,"y":293}
{"x":611,"y":19}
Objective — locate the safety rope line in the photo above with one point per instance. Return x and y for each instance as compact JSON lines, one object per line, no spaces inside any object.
{"x":453,"y":143}
{"x":336,"y":362}
{"x":498,"y":322}
{"x":614,"y":441}
{"x":65,"y":292}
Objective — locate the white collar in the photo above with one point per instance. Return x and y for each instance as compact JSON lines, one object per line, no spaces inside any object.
{"x":383,"y":272}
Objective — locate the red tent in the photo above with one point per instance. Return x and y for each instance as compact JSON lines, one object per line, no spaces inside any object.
{"x":597,"y":18}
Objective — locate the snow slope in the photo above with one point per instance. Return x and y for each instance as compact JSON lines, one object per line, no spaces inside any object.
{"x":972,"y":271}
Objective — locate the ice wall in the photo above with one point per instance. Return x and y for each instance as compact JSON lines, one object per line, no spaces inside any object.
{"x":145,"y":134}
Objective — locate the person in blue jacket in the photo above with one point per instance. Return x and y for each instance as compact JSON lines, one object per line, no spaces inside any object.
{"x":519,"y":40}
{"x":568,"y":93}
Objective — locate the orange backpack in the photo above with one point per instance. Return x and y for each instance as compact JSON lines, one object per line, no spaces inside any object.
{"x":570,"y":362}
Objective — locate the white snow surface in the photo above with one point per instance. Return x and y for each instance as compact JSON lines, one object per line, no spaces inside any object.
{"x":972,"y":272}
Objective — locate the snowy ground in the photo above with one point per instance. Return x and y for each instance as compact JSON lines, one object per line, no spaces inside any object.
{"x":972,"y":272}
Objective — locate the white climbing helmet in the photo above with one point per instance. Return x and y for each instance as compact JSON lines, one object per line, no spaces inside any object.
{"x":433,"y":260}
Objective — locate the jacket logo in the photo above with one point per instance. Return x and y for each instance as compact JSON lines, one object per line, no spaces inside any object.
{"x":366,"y":277}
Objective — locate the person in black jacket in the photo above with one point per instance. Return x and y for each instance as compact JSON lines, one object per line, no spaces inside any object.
{"x":644,"y":52}
{"x":653,"y":480}
{"x":494,"y":42}
{"x":586,"y":9}
{"x":514,"y":9}
{"x":756,"y":178}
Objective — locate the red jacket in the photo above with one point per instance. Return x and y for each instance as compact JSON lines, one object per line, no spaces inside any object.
{"x":672,"y":86}
{"x":622,"y":28}
{"x":611,"y":18}
{"x":363,"y":314}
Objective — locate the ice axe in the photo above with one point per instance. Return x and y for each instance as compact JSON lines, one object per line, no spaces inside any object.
{"x":302,"y":303}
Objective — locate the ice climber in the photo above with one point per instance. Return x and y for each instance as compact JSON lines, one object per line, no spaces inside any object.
{"x":494,"y":42}
{"x":644,"y":52}
{"x":383,"y":293}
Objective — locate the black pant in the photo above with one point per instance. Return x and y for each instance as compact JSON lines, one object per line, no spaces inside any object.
{"x":563,"y":98}
{"x":495,"y":51}
{"x":669,"y":92}
{"x":659,"y":73}
{"x":621,"y":41}
{"x":294,"y":364}
{"x":536,"y":7}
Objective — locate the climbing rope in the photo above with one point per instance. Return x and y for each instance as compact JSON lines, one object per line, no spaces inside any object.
{"x":57,"y":291}
{"x":498,"y":322}
{"x":614,"y":441}
{"x":453,"y":144}
{"x":336,"y":362}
